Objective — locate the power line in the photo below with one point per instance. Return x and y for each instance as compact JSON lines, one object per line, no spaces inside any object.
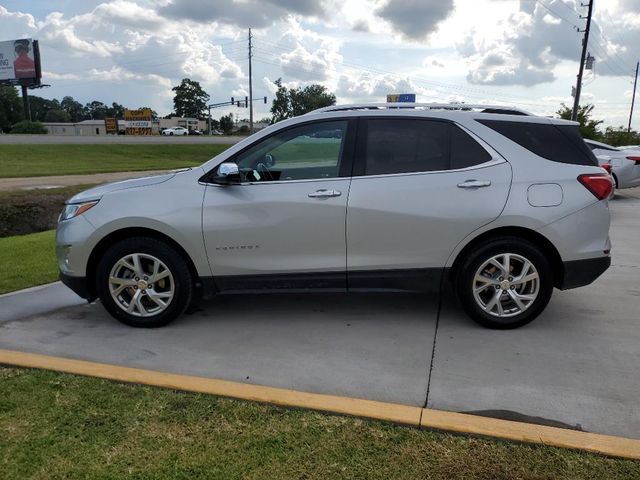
{"x":556,"y":14}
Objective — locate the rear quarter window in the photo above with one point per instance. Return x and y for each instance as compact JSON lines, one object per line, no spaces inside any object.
{"x":558,"y":143}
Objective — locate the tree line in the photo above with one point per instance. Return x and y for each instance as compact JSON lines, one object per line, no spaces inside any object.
{"x":190,"y":100}
{"x":45,"y":110}
{"x":590,"y":127}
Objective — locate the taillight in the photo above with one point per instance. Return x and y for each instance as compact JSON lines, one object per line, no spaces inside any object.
{"x":607,"y":167}
{"x":597,"y":183}
{"x":635,"y":159}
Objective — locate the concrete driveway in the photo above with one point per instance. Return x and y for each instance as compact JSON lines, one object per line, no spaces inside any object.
{"x":575,"y":366}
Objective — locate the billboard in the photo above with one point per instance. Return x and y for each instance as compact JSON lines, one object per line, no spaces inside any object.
{"x":20,"y":62}
{"x":138,"y":122}
{"x":401,"y":97}
{"x":111,"y":125}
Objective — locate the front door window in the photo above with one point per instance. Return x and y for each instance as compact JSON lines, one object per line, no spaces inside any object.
{"x":311,"y":151}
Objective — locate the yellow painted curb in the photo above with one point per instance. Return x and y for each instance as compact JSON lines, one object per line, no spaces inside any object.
{"x":531,"y":433}
{"x":404,"y":414}
{"x":280,"y":396}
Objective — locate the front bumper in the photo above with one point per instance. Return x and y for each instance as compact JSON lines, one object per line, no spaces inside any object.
{"x":579,"y":273}
{"x":78,"y":285}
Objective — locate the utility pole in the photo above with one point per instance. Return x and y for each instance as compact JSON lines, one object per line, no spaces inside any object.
{"x":250,"y":89}
{"x":585,"y":43}
{"x":633,"y":99}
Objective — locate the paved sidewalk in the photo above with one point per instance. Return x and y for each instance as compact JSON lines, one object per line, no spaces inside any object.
{"x":28,"y":183}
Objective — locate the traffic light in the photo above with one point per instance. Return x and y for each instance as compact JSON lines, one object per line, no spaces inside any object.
{"x":232,"y":102}
{"x":246,"y":102}
{"x":265,"y":100}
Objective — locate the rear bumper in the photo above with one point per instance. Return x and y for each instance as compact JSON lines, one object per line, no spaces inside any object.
{"x":77,"y":284}
{"x":579,"y":273}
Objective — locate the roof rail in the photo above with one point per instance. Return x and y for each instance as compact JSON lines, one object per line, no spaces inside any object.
{"x":465,"y":107}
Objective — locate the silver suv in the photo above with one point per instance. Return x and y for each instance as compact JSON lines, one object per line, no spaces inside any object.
{"x":498,"y":205}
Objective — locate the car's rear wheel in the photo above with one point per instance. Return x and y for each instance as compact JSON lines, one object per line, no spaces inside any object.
{"x":143,"y":282}
{"x":505,"y":283}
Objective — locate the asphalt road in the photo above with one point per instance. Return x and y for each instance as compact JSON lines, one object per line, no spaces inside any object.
{"x":114,"y":139}
{"x":575,"y":366}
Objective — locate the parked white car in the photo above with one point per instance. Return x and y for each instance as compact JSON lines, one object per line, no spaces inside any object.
{"x":500,"y":207}
{"x":175,"y":131}
{"x":625,"y":164}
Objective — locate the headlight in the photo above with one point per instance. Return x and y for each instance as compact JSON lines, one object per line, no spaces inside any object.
{"x":74,"y":209}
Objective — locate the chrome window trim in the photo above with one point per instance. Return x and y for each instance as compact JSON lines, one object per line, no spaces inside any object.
{"x":490,"y":163}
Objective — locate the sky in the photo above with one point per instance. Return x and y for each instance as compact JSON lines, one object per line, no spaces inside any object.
{"x":523,"y":53}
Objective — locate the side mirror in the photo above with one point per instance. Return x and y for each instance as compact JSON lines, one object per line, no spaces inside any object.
{"x":227,"y":174}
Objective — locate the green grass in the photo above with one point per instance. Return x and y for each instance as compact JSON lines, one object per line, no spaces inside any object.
{"x":55,"y":426}
{"x":42,"y":160}
{"x":25,"y":261}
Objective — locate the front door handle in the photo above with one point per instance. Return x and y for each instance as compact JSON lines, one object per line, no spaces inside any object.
{"x":325,"y":193}
{"x":474,"y":184}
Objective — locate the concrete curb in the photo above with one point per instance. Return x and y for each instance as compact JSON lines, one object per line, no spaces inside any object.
{"x":28,"y":290}
{"x":403,"y":414}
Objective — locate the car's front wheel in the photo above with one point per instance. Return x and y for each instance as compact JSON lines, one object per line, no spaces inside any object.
{"x":143,"y":282}
{"x":505,"y":283}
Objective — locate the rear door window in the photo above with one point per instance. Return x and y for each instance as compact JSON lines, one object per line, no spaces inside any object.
{"x":558,"y":143}
{"x":395,"y":145}
{"x":465,"y":151}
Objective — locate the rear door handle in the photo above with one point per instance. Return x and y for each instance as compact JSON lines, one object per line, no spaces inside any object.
{"x":325,"y":193}
{"x":474,"y":184}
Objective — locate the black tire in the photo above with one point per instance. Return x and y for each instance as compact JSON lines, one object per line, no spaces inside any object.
{"x":181,"y":278}
{"x":465,"y":282}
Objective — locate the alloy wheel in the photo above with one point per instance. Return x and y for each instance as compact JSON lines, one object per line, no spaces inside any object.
{"x":141,"y":284}
{"x":506,"y":285}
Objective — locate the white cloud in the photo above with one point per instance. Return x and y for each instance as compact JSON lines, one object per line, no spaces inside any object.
{"x":515,"y":51}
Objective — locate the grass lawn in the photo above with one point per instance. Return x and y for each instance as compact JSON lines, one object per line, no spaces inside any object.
{"x":25,"y":261}
{"x":55,"y":426}
{"x":42,"y":160}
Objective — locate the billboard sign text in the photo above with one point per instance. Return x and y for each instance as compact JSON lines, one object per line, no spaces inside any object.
{"x":138,"y":122}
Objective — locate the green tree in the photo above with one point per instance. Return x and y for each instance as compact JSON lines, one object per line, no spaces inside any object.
{"x":190,"y":99}
{"x":41,"y":106}
{"x":56,"y":115}
{"x":154,"y":114}
{"x":96,"y":110}
{"x":74,"y":108}
{"x":293,"y":102}
{"x":588,"y":127}
{"x":620,"y":136}
{"x":226,"y":123}
{"x":115,"y":110}
{"x":10,"y":108}
{"x":25,"y":126}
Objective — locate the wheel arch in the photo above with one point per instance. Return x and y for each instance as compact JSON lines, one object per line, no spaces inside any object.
{"x":129,"y":232}
{"x":542,"y":242}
